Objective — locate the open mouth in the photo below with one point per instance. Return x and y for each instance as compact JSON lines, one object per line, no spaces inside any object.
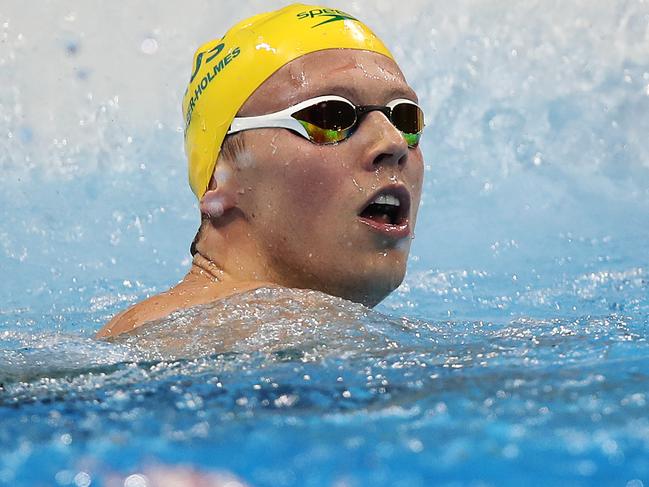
{"x":387,"y":211}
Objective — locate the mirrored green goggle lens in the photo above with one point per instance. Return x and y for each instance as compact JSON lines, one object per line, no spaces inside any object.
{"x":412,"y":139}
{"x":409,"y":119}
{"x":332,"y":121}
{"x":326,"y":136}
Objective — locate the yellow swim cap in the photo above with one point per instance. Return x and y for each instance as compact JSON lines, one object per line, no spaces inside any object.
{"x":227,"y":71}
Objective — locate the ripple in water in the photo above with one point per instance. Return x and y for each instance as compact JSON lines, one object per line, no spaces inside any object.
{"x":301,"y":365}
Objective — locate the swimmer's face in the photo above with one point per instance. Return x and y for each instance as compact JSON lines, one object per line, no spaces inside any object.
{"x":305,"y":202}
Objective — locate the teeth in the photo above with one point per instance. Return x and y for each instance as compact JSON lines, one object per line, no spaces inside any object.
{"x":387,"y":199}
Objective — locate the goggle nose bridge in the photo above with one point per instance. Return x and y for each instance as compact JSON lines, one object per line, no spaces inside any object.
{"x":362,"y":111}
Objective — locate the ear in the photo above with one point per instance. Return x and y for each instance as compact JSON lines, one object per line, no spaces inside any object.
{"x":221,"y":194}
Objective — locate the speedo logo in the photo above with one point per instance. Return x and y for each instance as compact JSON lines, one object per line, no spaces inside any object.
{"x":329,"y":14}
{"x":203,"y":59}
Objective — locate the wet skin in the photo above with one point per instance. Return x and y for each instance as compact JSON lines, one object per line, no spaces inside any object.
{"x":291,"y":207}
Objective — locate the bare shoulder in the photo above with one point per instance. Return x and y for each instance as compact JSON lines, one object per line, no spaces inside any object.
{"x":150,"y":309}
{"x":185,"y":294}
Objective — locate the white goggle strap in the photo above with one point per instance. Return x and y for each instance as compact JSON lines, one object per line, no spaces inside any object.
{"x":281,"y":119}
{"x":272,"y":120}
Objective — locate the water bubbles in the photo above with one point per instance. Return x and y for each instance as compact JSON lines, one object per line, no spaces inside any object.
{"x":64,"y":477}
{"x":511,"y":451}
{"x":136,"y":480}
{"x":285,"y":400}
{"x":586,"y":468}
{"x":72,"y":48}
{"x":502,"y":119}
{"x":82,"y":479}
{"x":415,"y":445}
{"x":149,"y":46}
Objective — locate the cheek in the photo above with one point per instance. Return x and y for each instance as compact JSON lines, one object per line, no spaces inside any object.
{"x":295,"y":195}
{"x":311,"y":183}
{"x":416,"y":172}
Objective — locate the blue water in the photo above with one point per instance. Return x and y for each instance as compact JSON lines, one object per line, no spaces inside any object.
{"x":515,"y":351}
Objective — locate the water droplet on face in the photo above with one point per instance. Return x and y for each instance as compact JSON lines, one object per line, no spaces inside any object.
{"x":273,"y":145}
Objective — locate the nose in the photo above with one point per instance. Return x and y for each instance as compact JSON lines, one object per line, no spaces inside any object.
{"x":387,"y":145}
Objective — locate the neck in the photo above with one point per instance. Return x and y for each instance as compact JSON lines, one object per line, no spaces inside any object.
{"x":232,"y":266}
{"x":205,"y":268}
{"x":227,"y":252}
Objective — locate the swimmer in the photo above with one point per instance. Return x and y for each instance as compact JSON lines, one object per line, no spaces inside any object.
{"x":302,"y":138}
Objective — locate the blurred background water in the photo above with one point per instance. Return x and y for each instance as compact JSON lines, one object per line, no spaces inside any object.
{"x":514,"y":351}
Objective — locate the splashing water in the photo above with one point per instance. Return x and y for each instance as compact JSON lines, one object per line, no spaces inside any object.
{"x":515,"y":351}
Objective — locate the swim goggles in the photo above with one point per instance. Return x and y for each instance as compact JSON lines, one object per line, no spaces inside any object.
{"x":330,"y":119}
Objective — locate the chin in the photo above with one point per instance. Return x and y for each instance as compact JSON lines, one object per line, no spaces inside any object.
{"x":371,"y":286}
{"x":379,"y":293}
{"x":365,"y":278}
